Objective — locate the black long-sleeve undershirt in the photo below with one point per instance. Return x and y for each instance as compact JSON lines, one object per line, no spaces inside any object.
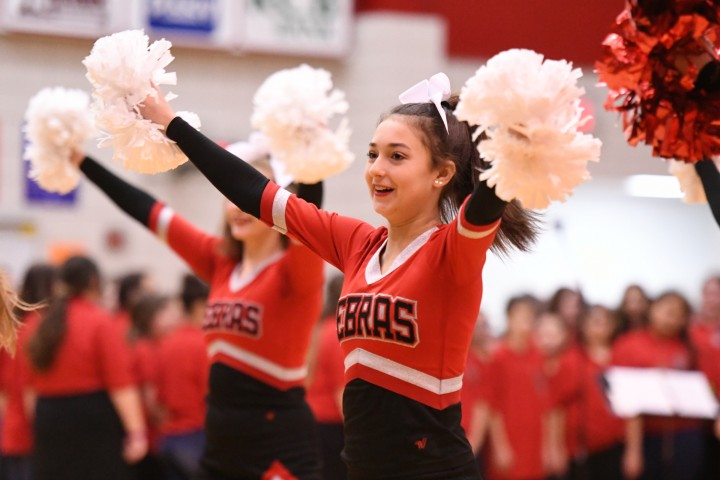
{"x":244,"y":186}
{"x":133,"y":201}
{"x":138,"y":204}
{"x":710,"y":177}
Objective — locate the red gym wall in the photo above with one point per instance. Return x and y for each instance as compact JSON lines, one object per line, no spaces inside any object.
{"x":569,"y":29}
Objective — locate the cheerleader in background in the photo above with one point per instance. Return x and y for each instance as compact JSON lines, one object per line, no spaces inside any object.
{"x":659,"y":448}
{"x":325,"y":385}
{"x":182,"y":378}
{"x":586,"y":436}
{"x":265,"y":297}
{"x":16,"y":442}
{"x":88,"y":416}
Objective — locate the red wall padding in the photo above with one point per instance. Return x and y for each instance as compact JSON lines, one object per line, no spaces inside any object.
{"x":570,"y":29}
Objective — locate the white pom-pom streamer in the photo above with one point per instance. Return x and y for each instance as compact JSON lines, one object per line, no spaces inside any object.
{"x":530,"y":111}
{"x":293,"y":108}
{"x":122,"y":68}
{"x":690,"y":183}
{"x":257,"y":149}
{"x":58,"y":121}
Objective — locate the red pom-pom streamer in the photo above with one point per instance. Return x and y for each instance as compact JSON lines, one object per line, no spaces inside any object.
{"x":661,"y":66}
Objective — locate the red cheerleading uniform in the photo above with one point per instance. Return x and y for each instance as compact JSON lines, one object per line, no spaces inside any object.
{"x":248,"y":321}
{"x":520,"y":394}
{"x":91,"y":358}
{"x":257,"y":332}
{"x":16,"y":437}
{"x":328,"y":376}
{"x":400,"y":334}
{"x":182,"y":380}
{"x":394,"y":327}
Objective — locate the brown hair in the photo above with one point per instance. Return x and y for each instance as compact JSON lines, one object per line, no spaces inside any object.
{"x":519,"y":227}
{"x":143,"y":313}
{"x":78,"y":276}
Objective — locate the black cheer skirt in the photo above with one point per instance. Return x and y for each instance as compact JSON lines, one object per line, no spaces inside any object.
{"x":250,"y":426}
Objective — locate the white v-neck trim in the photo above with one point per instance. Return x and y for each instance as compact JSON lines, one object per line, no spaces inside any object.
{"x":237,"y":283}
{"x":373,"y":272}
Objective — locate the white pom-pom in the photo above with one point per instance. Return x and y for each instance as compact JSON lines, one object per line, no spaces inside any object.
{"x":58,"y":121}
{"x":690,"y":183}
{"x":257,"y":149}
{"x":530,"y":111}
{"x":293,"y":108}
{"x":122,"y":68}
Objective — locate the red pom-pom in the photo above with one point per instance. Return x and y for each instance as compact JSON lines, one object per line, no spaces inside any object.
{"x":661,"y":66}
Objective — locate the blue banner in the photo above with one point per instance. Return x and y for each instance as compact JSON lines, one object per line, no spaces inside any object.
{"x":190,"y":16}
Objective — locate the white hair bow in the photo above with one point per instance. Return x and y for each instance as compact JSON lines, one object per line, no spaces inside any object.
{"x":256,"y":148}
{"x":435,"y":90}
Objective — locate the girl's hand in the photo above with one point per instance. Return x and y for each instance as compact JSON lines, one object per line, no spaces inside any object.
{"x":157,"y":109}
{"x":76,"y":158}
{"x":136,"y":447}
{"x":503,"y":458}
{"x":632,"y":463}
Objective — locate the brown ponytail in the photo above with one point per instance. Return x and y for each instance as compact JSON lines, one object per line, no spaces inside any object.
{"x":519,"y":227}
{"x":78,"y":276}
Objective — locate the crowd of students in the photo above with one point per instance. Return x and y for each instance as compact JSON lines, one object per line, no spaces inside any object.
{"x":535,"y":403}
{"x":125,"y":394}
{"x":104,"y":391}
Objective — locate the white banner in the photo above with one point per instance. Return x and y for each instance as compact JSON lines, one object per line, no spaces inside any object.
{"x":304,"y":27}
{"x":319,"y":28}
{"x":73,"y":18}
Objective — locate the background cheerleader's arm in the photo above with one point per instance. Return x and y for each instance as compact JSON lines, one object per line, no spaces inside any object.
{"x":710,"y":177}
{"x":194,"y":246}
{"x":237,"y":180}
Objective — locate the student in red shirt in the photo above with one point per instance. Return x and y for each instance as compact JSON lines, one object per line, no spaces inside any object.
{"x":182,"y":383}
{"x":412,"y":289}
{"x":659,"y":448}
{"x":265,"y":298}
{"x":16,"y":441}
{"x":129,"y":289}
{"x":591,"y":436}
{"x":88,"y":418}
{"x":518,"y":398}
{"x":325,"y":385}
